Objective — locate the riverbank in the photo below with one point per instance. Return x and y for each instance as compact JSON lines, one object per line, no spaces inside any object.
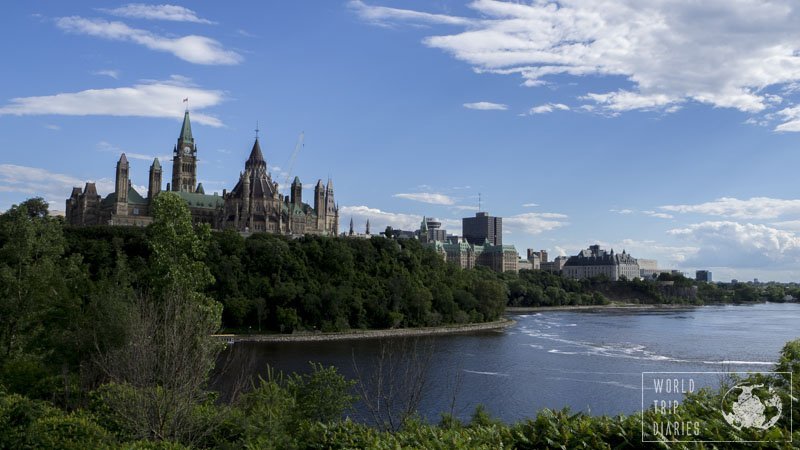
{"x":369,"y":334}
{"x":511,"y":310}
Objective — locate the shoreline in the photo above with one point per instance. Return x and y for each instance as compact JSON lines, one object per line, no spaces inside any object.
{"x":369,"y":334}
{"x":513,"y":310}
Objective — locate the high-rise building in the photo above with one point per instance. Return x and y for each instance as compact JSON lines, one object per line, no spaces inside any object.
{"x":703,"y":275}
{"x":483,"y":229}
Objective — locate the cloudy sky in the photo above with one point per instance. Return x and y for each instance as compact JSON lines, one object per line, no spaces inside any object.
{"x":665,"y":128}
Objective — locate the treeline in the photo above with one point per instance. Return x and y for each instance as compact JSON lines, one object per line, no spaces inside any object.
{"x":273,"y":283}
{"x":531,"y":288}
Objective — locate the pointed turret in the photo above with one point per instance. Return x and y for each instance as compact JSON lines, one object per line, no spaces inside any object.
{"x":330,"y":203}
{"x":297,"y":192}
{"x":154,"y":185}
{"x":121,"y":186}
{"x":367,"y":233}
{"x":184,"y":159}
{"x":186,"y":129}
{"x":256,"y":158}
{"x":319,"y":198}
{"x":352,"y":232}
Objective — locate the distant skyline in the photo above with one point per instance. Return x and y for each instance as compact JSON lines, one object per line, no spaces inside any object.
{"x":664,"y":128}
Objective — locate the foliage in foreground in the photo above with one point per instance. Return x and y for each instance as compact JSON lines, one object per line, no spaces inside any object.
{"x":305,"y":412}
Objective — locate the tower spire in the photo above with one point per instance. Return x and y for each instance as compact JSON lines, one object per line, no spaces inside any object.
{"x":186,"y":129}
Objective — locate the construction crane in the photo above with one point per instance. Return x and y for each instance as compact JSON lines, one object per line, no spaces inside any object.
{"x":300,"y":143}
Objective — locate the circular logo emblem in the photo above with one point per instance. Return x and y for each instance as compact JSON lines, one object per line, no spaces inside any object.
{"x":751,"y":406}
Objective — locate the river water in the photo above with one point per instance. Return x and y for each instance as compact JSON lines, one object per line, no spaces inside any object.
{"x":590,"y":361}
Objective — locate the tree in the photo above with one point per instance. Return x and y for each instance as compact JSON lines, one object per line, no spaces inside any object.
{"x":40,"y":303}
{"x":159,"y":375}
{"x":31,"y":246}
{"x":393,"y":386}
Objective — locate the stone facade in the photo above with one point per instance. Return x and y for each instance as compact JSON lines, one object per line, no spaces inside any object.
{"x":500,"y":258}
{"x":593,"y":262}
{"x":254,"y":204}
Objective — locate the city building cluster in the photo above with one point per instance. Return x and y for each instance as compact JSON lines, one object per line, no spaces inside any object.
{"x":253,"y":205}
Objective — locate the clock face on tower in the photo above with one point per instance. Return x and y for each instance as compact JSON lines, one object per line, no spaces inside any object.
{"x":187,"y":150}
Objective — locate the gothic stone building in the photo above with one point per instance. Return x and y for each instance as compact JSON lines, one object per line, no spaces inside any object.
{"x":254,"y":204}
{"x":594,"y":261}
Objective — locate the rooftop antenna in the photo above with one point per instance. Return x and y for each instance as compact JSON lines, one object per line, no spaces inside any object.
{"x":256,"y":129}
{"x":479,"y":202}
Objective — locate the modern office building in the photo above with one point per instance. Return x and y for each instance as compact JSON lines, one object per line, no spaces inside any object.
{"x":483,"y":229}
{"x":430,"y":230}
{"x":703,"y":275}
{"x":648,"y":268}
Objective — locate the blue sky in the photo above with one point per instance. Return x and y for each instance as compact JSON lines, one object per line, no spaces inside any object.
{"x":668,"y":130}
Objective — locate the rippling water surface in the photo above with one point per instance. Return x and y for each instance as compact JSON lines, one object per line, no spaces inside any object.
{"x":587,"y":360}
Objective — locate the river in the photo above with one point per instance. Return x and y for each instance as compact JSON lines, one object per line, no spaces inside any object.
{"x":590,"y":361}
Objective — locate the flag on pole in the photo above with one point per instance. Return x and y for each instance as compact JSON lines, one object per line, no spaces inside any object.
{"x":186,"y":100}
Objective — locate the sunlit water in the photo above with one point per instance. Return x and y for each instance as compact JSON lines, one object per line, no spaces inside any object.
{"x":590,"y":361}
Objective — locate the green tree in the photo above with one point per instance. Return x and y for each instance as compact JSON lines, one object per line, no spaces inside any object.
{"x":41,"y":300}
{"x":160,"y":374}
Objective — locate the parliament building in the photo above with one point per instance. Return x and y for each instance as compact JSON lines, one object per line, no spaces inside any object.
{"x":254,"y":204}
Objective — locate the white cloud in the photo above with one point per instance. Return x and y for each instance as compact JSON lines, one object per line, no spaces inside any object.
{"x":791,"y":225}
{"x":548,"y":108}
{"x":659,"y":215}
{"x":428,"y":197}
{"x":733,"y":244}
{"x":378,"y":219}
{"x":192,"y":48}
{"x":719,"y":52}
{"x":107,"y":147}
{"x":486,"y":106}
{"x":54,"y":187}
{"x":535,"y":223}
{"x":791,"y":116}
{"x":668,"y":256}
{"x":108,"y":73}
{"x":51,"y":126}
{"x":464,"y":207}
{"x":761,"y":208}
{"x":157,"y":12}
{"x":627,"y":100}
{"x":622,"y":211}
{"x":147,"y":99}
{"x":382,"y":15}
{"x":530,"y":205}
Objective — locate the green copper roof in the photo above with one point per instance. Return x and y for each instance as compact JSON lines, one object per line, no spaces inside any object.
{"x":156,"y":164}
{"x":195,"y":200}
{"x":133,"y":198}
{"x":186,"y":129}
